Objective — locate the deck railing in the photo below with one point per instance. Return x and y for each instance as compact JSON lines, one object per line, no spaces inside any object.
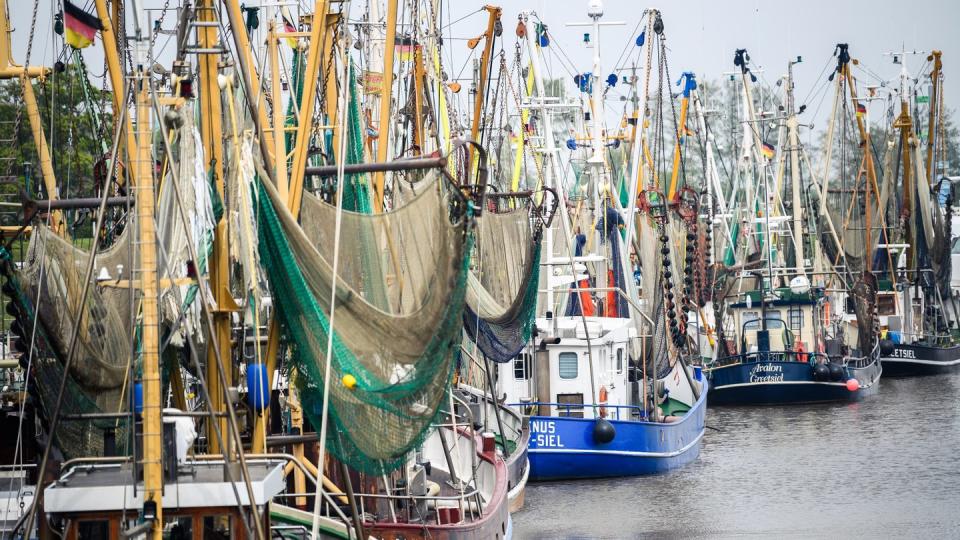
{"x":567,"y":408}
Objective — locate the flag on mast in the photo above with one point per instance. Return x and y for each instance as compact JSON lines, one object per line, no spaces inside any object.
{"x":289,"y":28}
{"x":81,"y":27}
{"x":861,"y":109}
{"x":767,"y":150}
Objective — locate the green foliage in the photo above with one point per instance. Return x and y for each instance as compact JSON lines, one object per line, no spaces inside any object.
{"x":73,"y":121}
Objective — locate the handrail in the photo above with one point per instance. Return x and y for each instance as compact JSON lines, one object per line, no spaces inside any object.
{"x":568,"y":406}
{"x":617,"y":290}
{"x":788,"y":356}
{"x":768,"y":356}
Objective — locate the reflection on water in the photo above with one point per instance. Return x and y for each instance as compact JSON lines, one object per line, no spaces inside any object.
{"x":885,"y":467}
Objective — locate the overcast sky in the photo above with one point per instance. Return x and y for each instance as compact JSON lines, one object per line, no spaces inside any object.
{"x":701,"y":35}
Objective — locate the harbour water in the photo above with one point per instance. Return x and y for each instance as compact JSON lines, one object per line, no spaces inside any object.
{"x":886,"y":467}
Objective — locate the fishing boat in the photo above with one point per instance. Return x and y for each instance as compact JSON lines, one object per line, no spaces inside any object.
{"x":597,"y":405}
{"x":260,"y":336}
{"x":919,"y":327}
{"x":778,"y":341}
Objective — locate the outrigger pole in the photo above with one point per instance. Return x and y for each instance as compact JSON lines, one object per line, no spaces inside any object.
{"x":26,"y":74}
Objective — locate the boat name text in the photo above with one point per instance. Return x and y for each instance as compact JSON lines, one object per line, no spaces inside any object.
{"x":904,"y":353}
{"x":766,"y":373}
{"x":544,"y":434}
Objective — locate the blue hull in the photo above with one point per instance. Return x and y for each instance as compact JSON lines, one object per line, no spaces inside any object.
{"x":564,"y":448}
{"x":778,"y":383}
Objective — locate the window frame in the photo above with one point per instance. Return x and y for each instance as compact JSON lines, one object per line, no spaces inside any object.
{"x":524,"y":361}
{"x":565,"y":355}
{"x":795,"y":315}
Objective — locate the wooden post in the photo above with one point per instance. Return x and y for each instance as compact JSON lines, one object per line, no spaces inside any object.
{"x":931,"y":123}
{"x":307,"y":104}
{"x":905,"y":125}
{"x":211,"y":115}
{"x":386,"y":84}
{"x":46,"y":165}
{"x":675,"y":173}
{"x":494,"y":13}
{"x":279,"y":141}
{"x":115,"y":70}
{"x":150,"y":328}
{"x":871,"y":170}
{"x":317,"y":37}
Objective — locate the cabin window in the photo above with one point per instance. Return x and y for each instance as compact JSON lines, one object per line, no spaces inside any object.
{"x":886,"y":304}
{"x":568,"y":364}
{"x":217,"y":527}
{"x":796,"y":318}
{"x":521,"y":367}
{"x":178,"y":528}
{"x":774,"y":319}
{"x":749,"y":320}
{"x":93,"y":529}
{"x":619,"y":360}
{"x":567,"y":407}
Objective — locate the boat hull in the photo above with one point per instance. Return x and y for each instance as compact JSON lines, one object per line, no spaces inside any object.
{"x":564,"y":448}
{"x":916,"y":360}
{"x":774,"y":382}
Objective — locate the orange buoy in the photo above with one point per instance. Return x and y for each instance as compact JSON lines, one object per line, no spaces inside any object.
{"x":801,"y":352}
{"x":603,"y":401}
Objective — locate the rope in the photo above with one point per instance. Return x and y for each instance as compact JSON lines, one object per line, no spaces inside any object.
{"x":321,"y":453}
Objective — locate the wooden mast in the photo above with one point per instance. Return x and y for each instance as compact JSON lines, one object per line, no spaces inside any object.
{"x":493,"y":18}
{"x":279,"y":118}
{"x":681,"y":132}
{"x":794,"y":142}
{"x":115,"y":70}
{"x":150,"y":327}
{"x":871,"y":183}
{"x":905,"y":125}
{"x":211,"y":114}
{"x":386,"y":83}
{"x":317,"y":36}
{"x":934,"y":97}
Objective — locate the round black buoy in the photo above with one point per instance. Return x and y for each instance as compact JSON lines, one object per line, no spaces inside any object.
{"x":603,"y":431}
{"x":821,"y":372}
{"x":836,"y":372}
{"x":886,"y":347}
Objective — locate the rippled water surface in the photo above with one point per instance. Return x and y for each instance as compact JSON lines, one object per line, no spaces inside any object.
{"x":887,"y":467}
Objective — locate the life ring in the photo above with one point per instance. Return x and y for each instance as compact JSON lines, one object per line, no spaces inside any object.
{"x":603,"y":401}
{"x":801,"y":352}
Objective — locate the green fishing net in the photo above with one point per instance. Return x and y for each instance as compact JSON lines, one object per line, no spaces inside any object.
{"x":401,"y":282}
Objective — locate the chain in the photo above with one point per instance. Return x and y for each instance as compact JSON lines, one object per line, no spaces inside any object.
{"x":19,"y":118}
{"x":673,"y":110}
{"x":158,"y":25}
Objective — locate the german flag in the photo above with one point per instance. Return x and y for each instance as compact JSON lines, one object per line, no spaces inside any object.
{"x":289,"y":28}
{"x":81,"y":27}
{"x":405,"y":48}
{"x":767,"y":150}
{"x":861,"y":109}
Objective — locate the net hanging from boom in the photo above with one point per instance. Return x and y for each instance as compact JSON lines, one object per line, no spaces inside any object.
{"x":501,"y":298}
{"x":53,"y":271}
{"x":401,"y":282}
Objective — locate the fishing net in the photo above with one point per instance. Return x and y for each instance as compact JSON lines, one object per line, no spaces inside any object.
{"x":197,"y":195}
{"x":53,"y":271}
{"x":401,"y":282}
{"x":502,"y":293}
